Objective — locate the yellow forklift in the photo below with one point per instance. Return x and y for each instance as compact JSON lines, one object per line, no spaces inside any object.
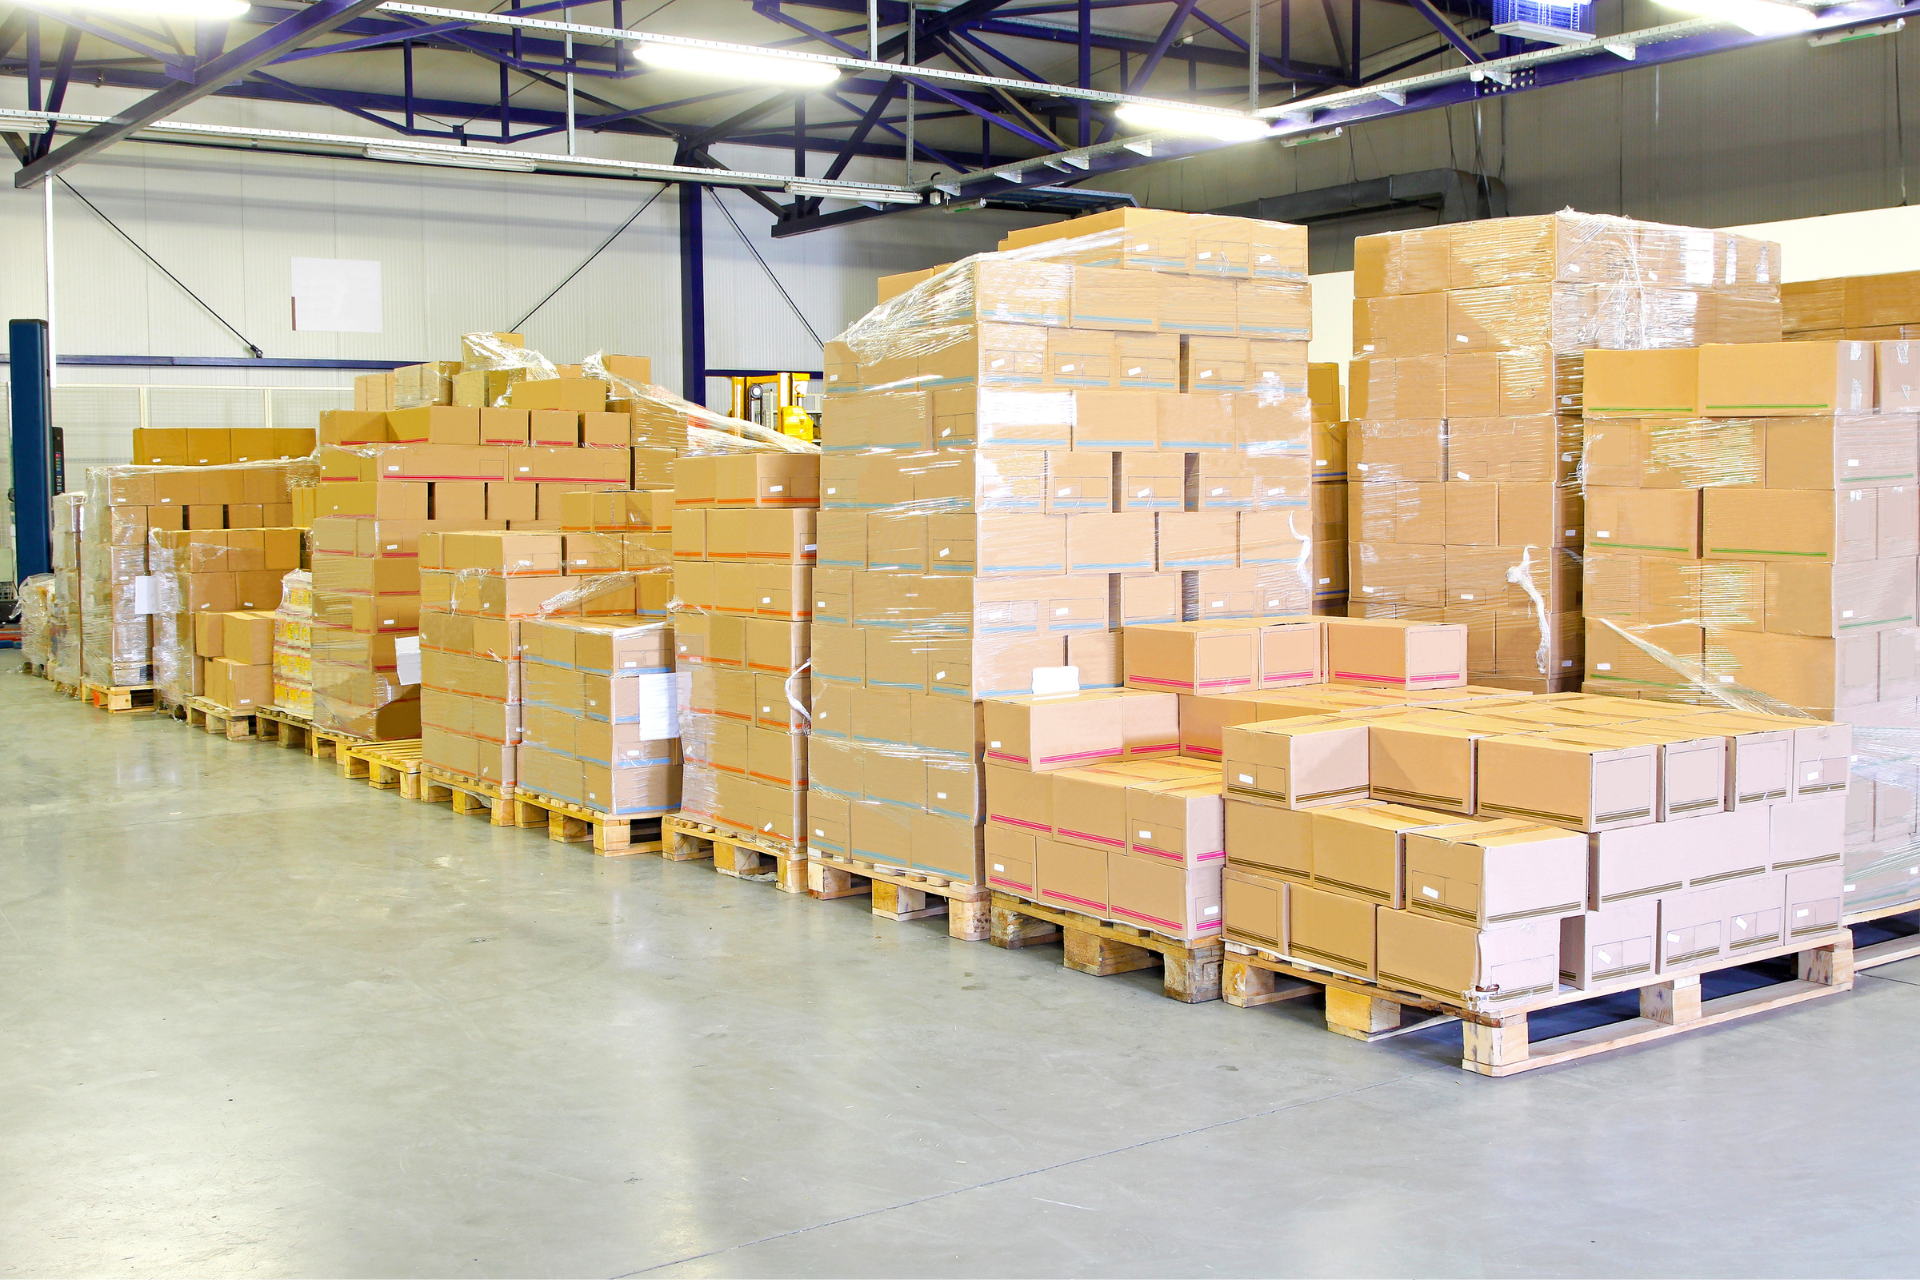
{"x":779,"y":402}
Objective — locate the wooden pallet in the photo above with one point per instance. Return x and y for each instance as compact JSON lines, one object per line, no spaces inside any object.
{"x":129,"y":699}
{"x":71,"y":690}
{"x":385,"y":765}
{"x":612,"y":835}
{"x":234,"y":726}
{"x":741,"y":857}
{"x":271,"y":724}
{"x":474,"y":796}
{"x":33,"y":669}
{"x":1879,"y":953}
{"x":1494,"y":1039}
{"x":902,"y":895}
{"x":1101,"y":947}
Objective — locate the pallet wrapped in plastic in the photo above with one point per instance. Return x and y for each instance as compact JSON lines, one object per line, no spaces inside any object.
{"x":1768,"y":565}
{"x":66,"y":661}
{"x":36,"y":619}
{"x":293,"y":645}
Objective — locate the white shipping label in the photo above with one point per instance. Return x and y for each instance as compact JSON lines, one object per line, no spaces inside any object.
{"x":146,"y":594}
{"x":406,"y":659}
{"x":1056,"y":680}
{"x":660,"y":694}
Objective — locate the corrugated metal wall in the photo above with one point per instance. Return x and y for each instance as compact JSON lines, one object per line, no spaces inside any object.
{"x":1779,"y":131}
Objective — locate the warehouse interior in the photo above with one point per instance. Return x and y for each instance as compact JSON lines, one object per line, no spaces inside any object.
{"x":529,"y":528}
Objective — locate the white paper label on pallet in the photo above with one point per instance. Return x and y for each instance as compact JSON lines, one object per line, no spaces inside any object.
{"x":146,"y":594}
{"x":406,"y":659}
{"x":660,"y":694}
{"x":1056,"y":680}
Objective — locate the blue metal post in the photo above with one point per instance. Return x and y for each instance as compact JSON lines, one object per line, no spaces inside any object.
{"x":32,"y":429}
{"x":693,"y":295}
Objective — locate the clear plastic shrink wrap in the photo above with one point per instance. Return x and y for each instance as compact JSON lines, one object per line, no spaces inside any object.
{"x":1466,"y":389}
{"x":1023,"y":453}
{"x":1768,"y":564}
{"x":36,"y":619}
{"x":213,"y":540}
{"x":65,"y":662}
{"x":293,"y":645}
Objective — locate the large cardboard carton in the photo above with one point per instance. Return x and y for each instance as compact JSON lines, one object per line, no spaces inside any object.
{"x":1361,"y":850}
{"x":1693,"y":930}
{"x":1254,"y":908}
{"x":1072,"y":876}
{"x":1457,"y":962}
{"x":1814,"y":898}
{"x":1182,"y":902}
{"x":1782,"y":379}
{"x":1585,"y":786}
{"x":1272,"y":841}
{"x":1299,"y":763}
{"x":1495,"y":873}
{"x":1610,"y":945}
{"x":1331,"y":930}
{"x":1389,"y":653}
{"x":1428,"y":761}
{"x":1184,"y":826}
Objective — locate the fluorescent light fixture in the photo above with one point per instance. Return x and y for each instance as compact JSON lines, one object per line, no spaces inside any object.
{"x":1224,"y":125}
{"x":454,"y":160}
{"x":1540,"y":33}
{"x":205,"y":10}
{"x":736,"y":66}
{"x":1620,"y":49}
{"x":23,"y":124}
{"x":1302,"y":139}
{"x":855,"y":193}
{"x":1761,"y":17}
{"x":1394,"y":96}
{"x":1139,"y":147}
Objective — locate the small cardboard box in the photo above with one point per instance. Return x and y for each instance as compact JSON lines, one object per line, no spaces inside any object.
{"x":1299,"y":763}
{"x":1814,"y":899}
{"x":1389,"y":653}
{"x":1610,"y":945}
{"x":1693,"y":929}
{"x":1272,"y":841}
{"x":1457,"y":962}
{"x":1185,"y":826}
{"x":1423,"y":760}
{"x":1586,"y":786}
{"x":1018,"y":799}
{"x":1053,"y":731}
{"x":1810,"y":832}
{"x":1331,"y":929}
{"x":1072,"y":876}
{"x":1195,"y":658}
{"x":1493,"y":874}
{"x":1756,"y":913}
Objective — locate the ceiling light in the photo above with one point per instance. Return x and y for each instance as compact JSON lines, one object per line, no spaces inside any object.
{"x":1541,"y":33}
{"x":205,"y":10}
{"x":736,"y":66}
{"x":454,"y":159}
{"x":1761,"y":17}
{"x":23,"y":124}
{"x":1224,"y":125}
{"x":858,"y":194}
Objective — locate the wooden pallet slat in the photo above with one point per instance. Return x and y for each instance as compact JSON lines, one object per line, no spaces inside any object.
{"x":131,"y":699}
{"x":1191,"y":970}
{"x":903,"y":895}
{"x":611,"y":835}
{"x":1495,"y":1040}
{"x":742,"y":857}
{"x":1892,"y":949}
{"x":230,"y":723}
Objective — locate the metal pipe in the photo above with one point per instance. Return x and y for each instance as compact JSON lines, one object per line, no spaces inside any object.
{"x":569,"y":54}
{"x":1253,"y":57}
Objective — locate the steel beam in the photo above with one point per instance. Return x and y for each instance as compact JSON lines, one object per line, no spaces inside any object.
{"x":1445,"y":27}
{"x":693,"y":296}
{"x":318,"y":19}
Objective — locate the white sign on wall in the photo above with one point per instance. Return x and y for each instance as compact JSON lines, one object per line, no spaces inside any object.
{"x":336,"y":295}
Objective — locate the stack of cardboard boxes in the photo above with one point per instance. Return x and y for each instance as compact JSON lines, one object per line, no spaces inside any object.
{"x":1110,"y":802}
{"x":66,"y":625}
{"x":531,"y":674}
{"x":218,"y":446}
{"x":745,"y":531}
{"x":293,"y":645}
{"x":1465,"y":397}
{"x":125,"y":503}
{"x":1328,"y":495}
{"x":1105,"y":423}
{"x":236,"y":652}
{"x":36,"y":620}
{"x":1753,"y":528}
{"x":1494,"y":851}
{"x":1878,"y":308}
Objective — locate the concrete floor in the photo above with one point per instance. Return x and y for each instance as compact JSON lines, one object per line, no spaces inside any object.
{"x":258,"y":1021}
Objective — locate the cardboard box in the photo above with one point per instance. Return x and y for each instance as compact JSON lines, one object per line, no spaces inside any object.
{"x":1191,"y":658}
{"x":1181,"y":902}
{"x":1784,"y":379}
{"x":1423,"y":760}
{"x":1072,"y":876}
{"x":1185,"y":826}
{"x":1331,"y":930}
{"x":1254,"y":908}
{"x":1272,"y":841}
{"x":1458,"y":962}
{"x":1612,"y":945}
{"x":1574,"y":784}
{"x":1693,"y":930}
{"x":1814,"y":899}
{"x":1660,"y":522}
{"x":1300,"y":763}
{"x":1489,"y":875}
{"x":1388,"y":653}
{"x":1799,"y":525}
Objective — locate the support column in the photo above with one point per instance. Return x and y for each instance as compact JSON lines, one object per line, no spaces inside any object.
{"x":693,"y":294}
